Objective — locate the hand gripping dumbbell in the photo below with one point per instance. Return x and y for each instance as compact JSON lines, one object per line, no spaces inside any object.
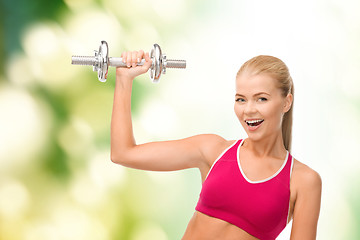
{"x":101,"y":62}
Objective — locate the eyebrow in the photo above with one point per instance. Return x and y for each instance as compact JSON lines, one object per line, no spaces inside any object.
{"x":256,"y":94}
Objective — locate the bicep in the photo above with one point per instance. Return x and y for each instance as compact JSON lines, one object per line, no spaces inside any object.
{"x":167,"y":155}
{"x":307,"y":208}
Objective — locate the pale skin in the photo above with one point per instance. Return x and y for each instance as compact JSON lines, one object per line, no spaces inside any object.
{"x":262,"y":153}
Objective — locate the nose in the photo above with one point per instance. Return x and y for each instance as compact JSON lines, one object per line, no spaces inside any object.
{"x":250,"y":108}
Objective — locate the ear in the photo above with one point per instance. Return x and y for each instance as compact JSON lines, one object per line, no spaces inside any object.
{"x":288,"y":102}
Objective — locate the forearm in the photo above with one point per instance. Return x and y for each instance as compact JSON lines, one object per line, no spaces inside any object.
{"x":122,"y":137}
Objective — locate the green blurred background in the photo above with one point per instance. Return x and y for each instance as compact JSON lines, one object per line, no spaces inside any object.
{"x":56,"y":177}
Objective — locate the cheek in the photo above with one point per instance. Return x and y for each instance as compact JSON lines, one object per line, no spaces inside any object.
{"x":274,"y":113}
{"x":237,"y":110}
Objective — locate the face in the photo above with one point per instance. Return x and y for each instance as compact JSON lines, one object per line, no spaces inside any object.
{"x":259,"y":105}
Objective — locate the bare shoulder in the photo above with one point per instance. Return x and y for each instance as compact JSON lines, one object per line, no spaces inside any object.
{"x":212,"y":146}
{"x":306,"y":178}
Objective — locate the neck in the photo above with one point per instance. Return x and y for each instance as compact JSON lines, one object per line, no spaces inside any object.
{"x":271,"y":146}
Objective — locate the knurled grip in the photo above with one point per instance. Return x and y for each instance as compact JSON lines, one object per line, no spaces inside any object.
{"x":91,"y":61}
{"x":83,"y":60}
{"x":117,"y":62}
{"x":172,"y":63}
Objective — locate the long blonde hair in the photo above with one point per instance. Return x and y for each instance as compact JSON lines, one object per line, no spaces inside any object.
{"x":279,"y":71}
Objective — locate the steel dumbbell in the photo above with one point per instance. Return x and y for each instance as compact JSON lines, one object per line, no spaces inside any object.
{"x":101,"y":62}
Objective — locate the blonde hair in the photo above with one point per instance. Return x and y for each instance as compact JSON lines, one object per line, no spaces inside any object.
{"x":279,"y":71}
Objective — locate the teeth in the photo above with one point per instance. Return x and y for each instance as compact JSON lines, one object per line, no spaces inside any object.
{"x":253,"y":121}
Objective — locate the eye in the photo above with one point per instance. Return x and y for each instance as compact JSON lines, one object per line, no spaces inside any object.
{"x":239,"y":100}
{"x":262,"y":99}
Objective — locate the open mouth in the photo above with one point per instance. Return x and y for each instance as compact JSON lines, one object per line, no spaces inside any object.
{"x":254,"y":123}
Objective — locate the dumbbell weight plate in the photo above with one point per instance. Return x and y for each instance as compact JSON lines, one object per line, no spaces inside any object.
{"x":102,"y":61}
{"x":156,"y":66}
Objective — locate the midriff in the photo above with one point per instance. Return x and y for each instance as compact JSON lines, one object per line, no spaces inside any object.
{"x":204,"y":227}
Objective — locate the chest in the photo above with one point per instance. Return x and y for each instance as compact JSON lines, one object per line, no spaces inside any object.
{"x":264,"y":203}
{"x":257,"y":170}
{"x":227,"y":184}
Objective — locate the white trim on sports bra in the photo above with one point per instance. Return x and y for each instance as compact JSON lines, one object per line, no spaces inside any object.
{"x":217,"y":159}
{"x":263,"y":180}
{"x":291,"y":170}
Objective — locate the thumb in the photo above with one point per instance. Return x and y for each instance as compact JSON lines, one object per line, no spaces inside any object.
{"x":147,"y":63}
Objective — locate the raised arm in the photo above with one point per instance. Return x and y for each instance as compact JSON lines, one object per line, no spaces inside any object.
{"x":196,"y":151}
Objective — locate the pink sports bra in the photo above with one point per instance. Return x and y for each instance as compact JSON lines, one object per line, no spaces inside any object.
{"x":260,"y":208}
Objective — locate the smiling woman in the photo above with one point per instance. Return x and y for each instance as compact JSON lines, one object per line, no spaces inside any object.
{"x":255,"y":80}
{"x":249,"y":197}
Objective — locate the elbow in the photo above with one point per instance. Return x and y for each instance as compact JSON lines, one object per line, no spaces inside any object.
{"x":119,"y":157}
{"x":114,"y":158}
{"x":115,"y":154}
{"x":122,"y":155}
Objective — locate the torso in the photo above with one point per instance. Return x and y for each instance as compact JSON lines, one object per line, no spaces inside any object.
{"x":202,"y":226}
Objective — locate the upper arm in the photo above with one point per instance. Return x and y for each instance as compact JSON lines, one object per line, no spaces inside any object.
{"x":307,"y":205}
{"x":170,"y":155}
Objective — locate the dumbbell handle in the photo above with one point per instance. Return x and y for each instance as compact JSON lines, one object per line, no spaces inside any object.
{"x":117,"y":62}
{"x":170,"y":63}
{"x":91,"y":61}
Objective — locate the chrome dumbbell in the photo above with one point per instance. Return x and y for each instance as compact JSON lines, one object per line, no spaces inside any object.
{"x":101,"y":62}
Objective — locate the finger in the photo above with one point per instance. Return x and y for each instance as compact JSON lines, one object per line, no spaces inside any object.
{"x":147,"y":57}
{"x":123,"y":57}
{"x":134,"y":58}
{"x":148,"y":61}
{"x":128,"y":59}
{"x":140,"y":55}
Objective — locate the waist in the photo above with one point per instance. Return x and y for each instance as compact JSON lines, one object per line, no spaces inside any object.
{"x":204,"y":227}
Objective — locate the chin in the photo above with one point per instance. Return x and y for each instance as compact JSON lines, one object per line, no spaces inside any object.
{"x":254,"y":137}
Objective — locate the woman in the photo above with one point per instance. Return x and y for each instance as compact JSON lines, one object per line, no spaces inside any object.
{"x":252,"y":187}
